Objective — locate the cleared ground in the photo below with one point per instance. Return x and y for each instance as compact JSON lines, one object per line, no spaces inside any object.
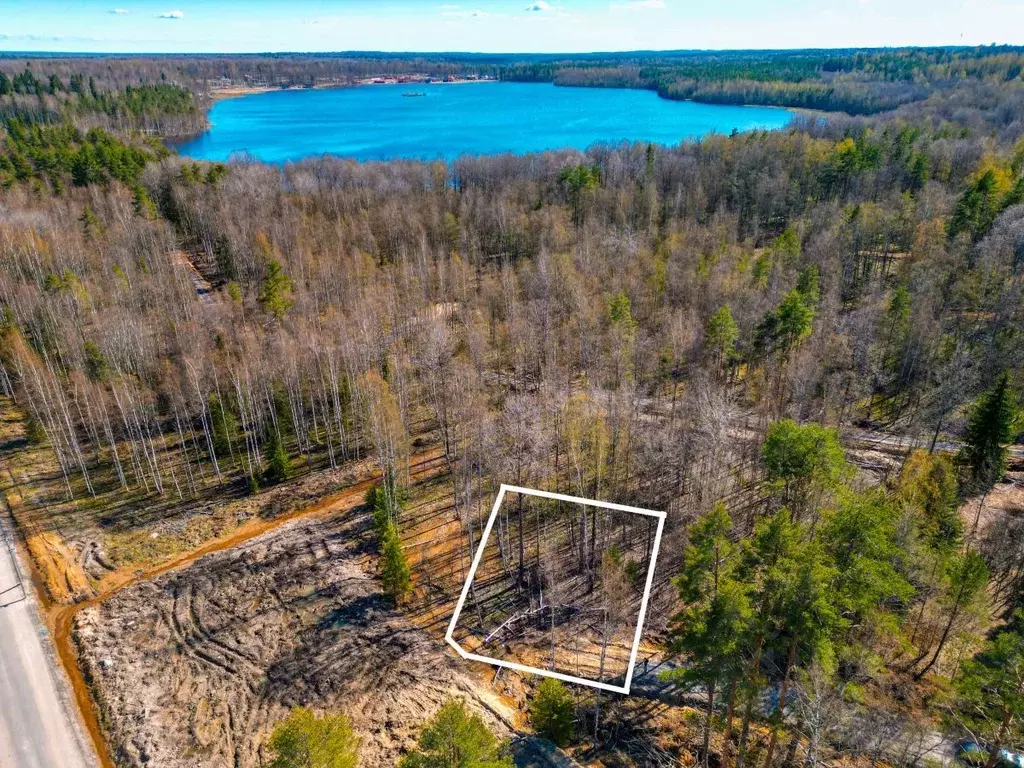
{"x":88,"y":546}
{"x":195,"y":667}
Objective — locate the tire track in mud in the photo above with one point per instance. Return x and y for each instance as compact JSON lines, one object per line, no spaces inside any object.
{"x":226,"y":648}
{"x":348,"y":643}
{"x":61,"y":617}
{"x":193,"y":639}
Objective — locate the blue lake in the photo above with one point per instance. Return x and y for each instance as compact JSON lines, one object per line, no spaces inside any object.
{"x":377,"y":122}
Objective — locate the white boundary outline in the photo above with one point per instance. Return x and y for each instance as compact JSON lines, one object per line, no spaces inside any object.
{"x":450,"y":637}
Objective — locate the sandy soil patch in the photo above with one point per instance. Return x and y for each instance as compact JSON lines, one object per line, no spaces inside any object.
{"x":195,"y":667}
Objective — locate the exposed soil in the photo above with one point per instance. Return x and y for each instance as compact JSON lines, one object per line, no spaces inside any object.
{"x":62,"y":618}
{"x":195,"y":667}
{"x":281,"y":609}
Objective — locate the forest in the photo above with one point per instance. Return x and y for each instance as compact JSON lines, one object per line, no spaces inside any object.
{"x":805,"y":346}
{"x":853,"y":81}
{"x":857,"y":82}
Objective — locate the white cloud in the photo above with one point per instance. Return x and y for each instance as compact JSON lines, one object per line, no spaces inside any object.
{"x":119,"y":11}
{"x":540,"y":6}
{"x":172,"y":15}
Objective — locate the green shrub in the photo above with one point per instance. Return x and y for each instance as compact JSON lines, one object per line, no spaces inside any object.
{"x":551,"y":711}
{"x":304,"y":740}
{"x":456,"y":738}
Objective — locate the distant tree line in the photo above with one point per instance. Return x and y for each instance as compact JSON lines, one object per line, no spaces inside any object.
{"x":855,"y":82}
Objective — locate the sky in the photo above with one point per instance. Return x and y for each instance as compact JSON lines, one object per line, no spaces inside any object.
{"x":240,"y":26}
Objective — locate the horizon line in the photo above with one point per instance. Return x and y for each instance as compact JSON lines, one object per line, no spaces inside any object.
{"x":8,"y":54}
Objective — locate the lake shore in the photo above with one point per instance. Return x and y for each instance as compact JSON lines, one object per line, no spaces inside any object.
{"x":236,"y":91}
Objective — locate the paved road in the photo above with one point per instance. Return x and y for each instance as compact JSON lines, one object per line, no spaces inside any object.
{"x":36,"y":730}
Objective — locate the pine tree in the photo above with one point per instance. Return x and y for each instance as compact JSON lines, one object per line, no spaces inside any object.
{"x":796,"y":316}
{"x":580,"y":181}
{"x":456,"y":738}
{"x":792,"y":582}
{"x":91,"y":225}
{"x":377,"y":501}
{"x":896,"y":327}
{"x":787,"y":579}
{"x":278,"y":465}
{"x":276,"y":294}
{"x":783,"y":329}
{"x":224,"y":428}
{"x":551,"y":711}
{"x":96,"y":366}
{"x":34,"y":432}
{"x":989,"y":432}
{"x":86,"y":167}
{"x":977,"y":208}
{"x":808,"y":284}
{"x":721,"y":334}
{"x":769,"y":561}
{"x":385,"y":507}
{"x":803,"y":463}
{"x":707,"y":632}
{"x":142,"y":203}
{"x":394,"y":568}
{"x":303,"y":740}
{"x":990,"y":694}
{"x":860,"y":537}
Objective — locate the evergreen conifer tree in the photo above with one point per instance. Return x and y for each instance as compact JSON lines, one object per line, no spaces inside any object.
{"x":278,"y":465}
{"x":551,"y":711}
{"x":989,"y":432}
{"x":456,"y":738}
{"x":990,"y":694}
{"x":394,"y":568}
{"x":707,"y":632}
{"x":304,"y":740}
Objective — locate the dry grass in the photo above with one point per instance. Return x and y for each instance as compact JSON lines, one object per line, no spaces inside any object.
{"x":64,"y":579}
{"x":57,"y":565}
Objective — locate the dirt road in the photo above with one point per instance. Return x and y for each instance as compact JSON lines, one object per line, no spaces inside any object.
{"x":37,"y":729}
{"x":203,"y":288}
